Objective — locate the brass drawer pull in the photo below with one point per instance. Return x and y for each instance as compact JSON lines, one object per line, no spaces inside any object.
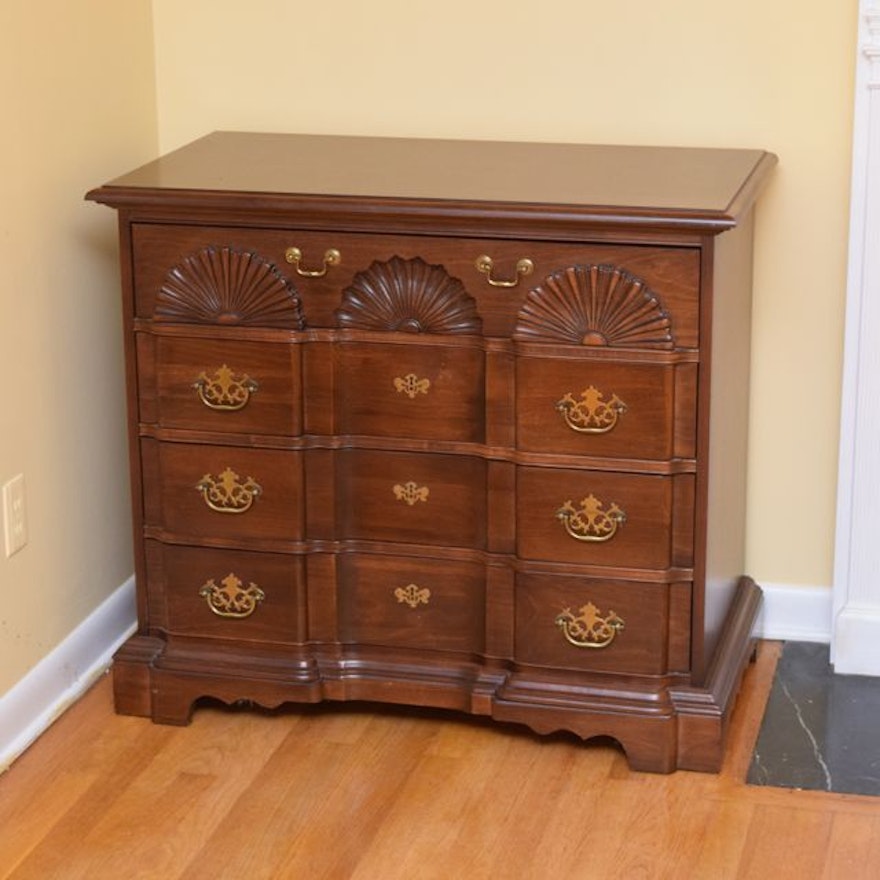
{"x":590,"y":522}
{"x":589,"y":629}
{"x":224,"y":391}
{"x":411,"y":385}
{"x":232,"y":599}
{"x":411,"y":493}
{"x":486,"y":265}
{"x":332,"y":257}
{"x":413,"y":595}
{"x":591,"y":414}
{"x":227,"y":493}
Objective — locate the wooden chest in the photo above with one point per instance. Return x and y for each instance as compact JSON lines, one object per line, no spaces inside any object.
{"x":442,"y":423}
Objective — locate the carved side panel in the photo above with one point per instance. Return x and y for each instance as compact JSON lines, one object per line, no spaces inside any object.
{"x":225,"y":286}
{"x":595,"y":305}
{"x":408,"y":296}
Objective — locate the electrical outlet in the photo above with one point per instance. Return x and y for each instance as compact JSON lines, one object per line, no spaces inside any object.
{"x":14,"y":522}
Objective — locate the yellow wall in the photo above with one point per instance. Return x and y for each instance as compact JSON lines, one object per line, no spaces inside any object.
{"x":77,"y":93}
{"x":775,"y":74}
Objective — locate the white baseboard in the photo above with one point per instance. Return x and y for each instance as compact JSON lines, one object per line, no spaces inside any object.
{"x":856,"y":646}
{"x":65,"y":674}
{"x":795,"y":614}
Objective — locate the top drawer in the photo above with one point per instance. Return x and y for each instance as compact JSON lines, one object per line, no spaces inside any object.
{"x":324,"y":264}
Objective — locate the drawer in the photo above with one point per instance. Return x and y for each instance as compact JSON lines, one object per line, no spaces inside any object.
{"x":415,"y":498}
{"x":219,"y":384}
{"x":597,"y":407}
{"x":431,"y":392}
{"x":605,"y":518}
{"x":601,"y":625}
{"x":223,"y":492}
{"x":671,"y":274}
{"x":230,"y":594}
{"x":433,"y":605}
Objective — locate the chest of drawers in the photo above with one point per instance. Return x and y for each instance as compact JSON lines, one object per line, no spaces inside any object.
{"x":443,"y":423}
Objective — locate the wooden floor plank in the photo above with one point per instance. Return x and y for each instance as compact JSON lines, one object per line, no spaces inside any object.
{"x":791,"y":841}
{"x":854,"y":849}
{"x":347,"y":792}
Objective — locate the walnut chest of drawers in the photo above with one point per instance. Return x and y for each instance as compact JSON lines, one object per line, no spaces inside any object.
{"x":443,"y":423}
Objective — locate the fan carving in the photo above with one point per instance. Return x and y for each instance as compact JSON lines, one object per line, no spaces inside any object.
{"x":596,"y":305}
{"x":408,"y":296}
{"x":226,"y":286}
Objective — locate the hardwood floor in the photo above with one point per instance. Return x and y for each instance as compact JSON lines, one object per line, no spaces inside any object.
{"x":375,"y":794}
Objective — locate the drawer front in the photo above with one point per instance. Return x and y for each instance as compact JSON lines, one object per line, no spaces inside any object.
{"x":599,"y":408}
{"x":607,"y":519}
{"x":220,"y":384}
{"x":600,"y":625}
{"x":411,"y":498}
{"x":223,"y":492}
{"x":434,"y":392}
{"x":672,"y":275}
{"x":228,"y":594}
{"x":432,"y":605}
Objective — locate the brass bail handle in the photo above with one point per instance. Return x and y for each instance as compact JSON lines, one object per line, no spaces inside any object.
{"x":233,"y":599}
{"x":589,"y":628}
{"x":486,"y":265}
{"x":225,"y":391}
{"x":591,"y":414}
{"x":591,"y":522}
{"x":228,"y":493}
{"x":332,"y":257}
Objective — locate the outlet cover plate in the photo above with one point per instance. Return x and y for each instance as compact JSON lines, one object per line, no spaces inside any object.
{"x":14,"y":521}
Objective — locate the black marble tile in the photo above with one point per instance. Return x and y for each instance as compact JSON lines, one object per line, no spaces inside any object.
{"x":820,"y":731}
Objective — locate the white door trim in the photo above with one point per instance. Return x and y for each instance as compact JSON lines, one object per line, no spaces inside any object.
{"x":855,"y":634}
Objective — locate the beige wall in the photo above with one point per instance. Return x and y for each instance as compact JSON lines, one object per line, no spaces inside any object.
{"x":775,"y":74}
{"x":77,"y":93}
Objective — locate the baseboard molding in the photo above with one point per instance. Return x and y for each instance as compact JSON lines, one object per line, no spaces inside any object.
{"x":795,"y":614}
{"x":65,"y":674}
{"x":856,"y":645}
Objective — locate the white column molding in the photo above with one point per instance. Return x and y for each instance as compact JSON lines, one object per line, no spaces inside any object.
{"x":855,"y":637}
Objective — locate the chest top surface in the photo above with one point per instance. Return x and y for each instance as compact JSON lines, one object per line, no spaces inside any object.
{"x":703,"y":186}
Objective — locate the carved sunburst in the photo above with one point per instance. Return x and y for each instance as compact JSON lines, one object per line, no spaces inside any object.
{"x":595,"y":305}
{"x":226,"y":286}
{"x":408,"y":296}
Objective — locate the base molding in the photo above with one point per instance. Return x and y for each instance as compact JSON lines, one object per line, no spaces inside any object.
{"x":857,"y":641}
{"x":795,"y":613}
{"x":661,"y":724}
{"x":704,"y":713}
{"x":65,"y":674}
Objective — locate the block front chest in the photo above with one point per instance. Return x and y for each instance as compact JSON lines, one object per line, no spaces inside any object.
{"x":404,"y":433}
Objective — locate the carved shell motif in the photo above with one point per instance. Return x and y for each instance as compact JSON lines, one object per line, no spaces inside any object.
{"x":226,"y":286}
{"x":408,"y":296}
{"x":596,"y":306}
